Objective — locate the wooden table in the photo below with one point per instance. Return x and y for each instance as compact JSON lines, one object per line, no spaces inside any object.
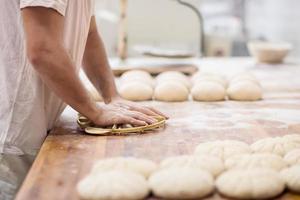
{"x":67,"y":154}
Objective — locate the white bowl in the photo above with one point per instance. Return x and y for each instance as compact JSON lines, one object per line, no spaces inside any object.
{"x":269,"y":52}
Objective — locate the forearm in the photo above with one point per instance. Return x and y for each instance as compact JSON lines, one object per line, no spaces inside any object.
{"x":58,"y":72}
{"x":97,"y":67}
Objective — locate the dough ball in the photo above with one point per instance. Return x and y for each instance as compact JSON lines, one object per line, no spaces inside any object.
{"x":137,"y":75}
{"x":137,"y":165}
{"x":208,"y":91}
{"x":181,"y":183}
{"x":277,"y":145}
{"x":250,"y":184}
{"x":210,"y":77}
{"x":244,"y":75}
{"x":250,"y":161}
{"x":212,"y":164}
{"x":136,"y":91}
{"x":223,"y":148}
{"x":171,"y":91}
{"x":113,"y":185}
{"x":293,"y":157}
{"x":244,"y":91}
{"x":291,"y":176}
{"x":173,"y":76}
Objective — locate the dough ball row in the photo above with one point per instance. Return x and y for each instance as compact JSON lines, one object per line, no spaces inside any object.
{"x":173,"y":86}
{"x":233,"y":168}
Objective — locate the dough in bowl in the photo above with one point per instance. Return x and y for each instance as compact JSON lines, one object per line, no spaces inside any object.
{"x":212,"y":164}
{"x":223,"y":148}
{"x":293,"y":157}
{"x":137,"y":165}
{"x":277,"y":145}
{"x":171,"y":91}
{"x":113,"y":185}
{"x":181,"y":183}
{"x":291,"y":176}
{"x":136,"y":91}
{"x":250,"y":184}
{"x":244,"y":91}
{"x":208,"y":91}
{"x":260,"y":160}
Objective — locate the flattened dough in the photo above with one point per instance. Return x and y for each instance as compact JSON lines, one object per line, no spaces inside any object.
{"x":244,"y":91}
{"x":250,"y":184}
{"x":223,"y":148}
{"x":293,"y":157}
{"x":171,"y":91}
{"x":212,"y":164}
{"x":181,"y":183}
{"x":137,"y":165}
{"x":208,"y":91}
{"x":277,"y":145}
{"x":113,"y":185}
{"x":291,"y":176}
{"x":136,"y":91}
{"x":260,"y":160}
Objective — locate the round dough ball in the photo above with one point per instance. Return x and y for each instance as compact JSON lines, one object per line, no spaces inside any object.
{"x":137,"y":75}
{"x":181,"y":183}
{"x":136,"y":91}
{"x":210,"y":77}
{"x":245,"y":77}
{"x":208,"y":91}
{"x":113,"y":185}
{"x":291,"y":176}
{"x":223,"y":148}
{"x":250,"y":184}
{"x":171,"y":91}
{"x":277,"y":145}
{"x":173,"y":76}
{"x":212,"y":164}
{"x":137,"y":165}
{"x":250,"y":161}
{"x":244,"y":91}
{"x":293,"y":157}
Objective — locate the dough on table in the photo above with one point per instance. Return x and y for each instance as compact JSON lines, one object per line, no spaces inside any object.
{"x":208,"y":91}
{"x":277,"y":145}
{"x":181,"y":183}
{"x":291,"y":176}
{"x":260,"y":160}
{"x":244,"y":76}
{"x":250,"y":184}
{"x":293,"y":157}
{"x":209,"y":77}
{"x":136,"y":91}
{"x":137,"y":75}
{"x":173,"y":76}
{"x":212,"y":164}
{"x":113,"y":185}
{"x":223,"y":148}
{"x":244,"y":91}
{"x":137,"y":165}
{"x":171,"y":91}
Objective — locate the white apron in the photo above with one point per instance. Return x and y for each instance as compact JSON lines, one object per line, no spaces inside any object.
{"x":27,"y":107}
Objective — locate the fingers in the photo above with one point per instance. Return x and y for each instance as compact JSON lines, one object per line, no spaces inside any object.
{"x":131,"y":120}
{"x":158,"y":112}
{"x":143,"y":117}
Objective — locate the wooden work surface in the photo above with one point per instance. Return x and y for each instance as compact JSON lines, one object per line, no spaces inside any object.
{"x":67,"y":154}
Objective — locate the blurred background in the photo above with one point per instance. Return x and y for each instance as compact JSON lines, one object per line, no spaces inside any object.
{"x":227,"y":25}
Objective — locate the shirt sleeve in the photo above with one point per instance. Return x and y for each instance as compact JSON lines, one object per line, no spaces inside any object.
{"x":59,"y":5}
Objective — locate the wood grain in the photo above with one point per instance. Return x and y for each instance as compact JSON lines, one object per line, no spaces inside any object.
{"x":67,"y":154}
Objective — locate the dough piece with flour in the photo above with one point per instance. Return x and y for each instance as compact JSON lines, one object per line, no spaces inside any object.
{"x":244,"y":76}
{"x":136,"y":91}
{"x":113,"y":185}
{"x":244,"y":91}
{"x":173,"y":76}
{"x":291,"y":176}
{"x":277,"y":145}
{"x":223,"y":148}
{"x":202,"y":76}
{"x":250,"y":184}
{"x":208,"y":91}
{"x":181,"y":183}
{"x":137,"y":76}
{"x":212,"y":164}
{"x":137,"y":165}
{"x":293,"y":157}
{"x":251,"y":161}
{"x":171,"y":91}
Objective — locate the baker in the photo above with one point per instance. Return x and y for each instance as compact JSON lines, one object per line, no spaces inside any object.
{"x":43,"y":44}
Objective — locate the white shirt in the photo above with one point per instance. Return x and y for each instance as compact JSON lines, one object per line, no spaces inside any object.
{"x":27,"y":107}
